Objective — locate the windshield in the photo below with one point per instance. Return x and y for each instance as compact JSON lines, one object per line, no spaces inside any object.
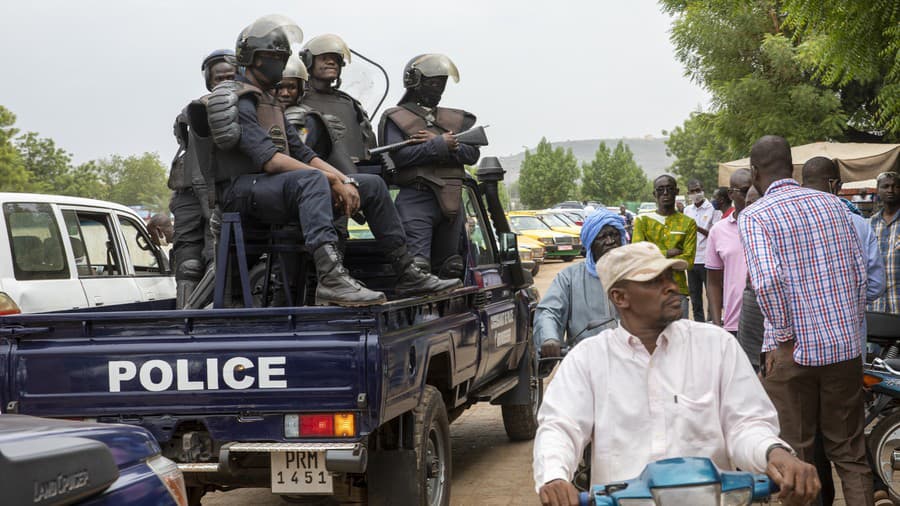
{"x":554,"y":220}
{"x":527,"y":223}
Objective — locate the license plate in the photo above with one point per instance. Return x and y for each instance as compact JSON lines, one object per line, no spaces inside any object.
{"x":565,"y":248}
{"x":300,"y":473}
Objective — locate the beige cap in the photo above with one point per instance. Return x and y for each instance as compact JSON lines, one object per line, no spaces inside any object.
{"x":640,"y":261}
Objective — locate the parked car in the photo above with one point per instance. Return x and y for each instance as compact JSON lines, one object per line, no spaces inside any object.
{"x":557,"y":244}
{"x":647,"y":207}
{"x":48,"y":461}
{"x":64,"y":253}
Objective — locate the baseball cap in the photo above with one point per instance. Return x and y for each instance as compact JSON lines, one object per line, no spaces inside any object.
{"x":641,"y":261}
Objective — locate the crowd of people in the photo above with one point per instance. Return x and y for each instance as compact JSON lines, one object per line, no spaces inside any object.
{"x":769,"y":378}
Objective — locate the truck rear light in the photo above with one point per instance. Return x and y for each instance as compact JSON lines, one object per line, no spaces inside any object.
{"x":171,"y":477}
{"x":7,"y":305}
{"x":320,"y":425}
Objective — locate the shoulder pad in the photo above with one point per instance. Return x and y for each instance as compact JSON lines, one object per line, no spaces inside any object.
{"x":180,"y":128}
{"x":296,"y":115}
{"x":222,"y":114}
{"x":336,"y":127}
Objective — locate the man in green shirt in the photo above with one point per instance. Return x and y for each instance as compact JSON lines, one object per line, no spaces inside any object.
{"x":671,"y":231}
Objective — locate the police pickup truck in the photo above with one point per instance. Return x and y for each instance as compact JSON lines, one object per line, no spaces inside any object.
{"x":352,"y":403}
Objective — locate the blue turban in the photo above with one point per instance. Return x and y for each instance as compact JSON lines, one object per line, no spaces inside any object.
{"x":591,"y":229}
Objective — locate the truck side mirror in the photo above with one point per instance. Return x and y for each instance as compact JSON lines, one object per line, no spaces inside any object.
{"x":509,"y":247}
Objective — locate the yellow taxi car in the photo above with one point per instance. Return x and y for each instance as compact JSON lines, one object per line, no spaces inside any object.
{"x":556,"y":244}
{"x":536,"y":252}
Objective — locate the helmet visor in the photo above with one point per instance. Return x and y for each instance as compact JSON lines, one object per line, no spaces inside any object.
{"x":329,"y":43}
{"x":434,"y":65}
{"x":268,"y":24}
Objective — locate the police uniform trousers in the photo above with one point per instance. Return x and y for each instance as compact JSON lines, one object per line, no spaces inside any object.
{"x":190,"y":228}
{"x":429,"y":234}
{"x":304,"y":196}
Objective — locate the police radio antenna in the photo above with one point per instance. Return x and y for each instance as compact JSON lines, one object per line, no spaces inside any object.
{"x":387,"y":81}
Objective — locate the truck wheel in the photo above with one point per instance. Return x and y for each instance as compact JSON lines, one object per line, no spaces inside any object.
{"x":432,"y":440}
{"x":536,"y":270}
{"x":520,"y":420}
{"x":568,"y":258}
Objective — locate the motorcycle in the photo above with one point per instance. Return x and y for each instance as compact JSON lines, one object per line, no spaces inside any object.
{"x":693,"y":481}
{"x":882,"y":378}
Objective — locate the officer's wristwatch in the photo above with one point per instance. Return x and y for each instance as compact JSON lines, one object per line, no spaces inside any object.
{"x":350,"y":180}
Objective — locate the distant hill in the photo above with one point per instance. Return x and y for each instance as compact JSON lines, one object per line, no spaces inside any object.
{"x":649,"y":153}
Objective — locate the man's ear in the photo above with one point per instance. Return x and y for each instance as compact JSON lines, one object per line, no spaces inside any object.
{"x":619,"y":298}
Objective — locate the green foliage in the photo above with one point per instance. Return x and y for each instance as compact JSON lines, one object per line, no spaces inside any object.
{"x":613,"y":177}
{"x":697,"y":150}
{"x":30,"y":163}
{"x":548,"y":176}
{"x":847,"y":42}
{"x":134,"y":180}
{"x":13,"y":177}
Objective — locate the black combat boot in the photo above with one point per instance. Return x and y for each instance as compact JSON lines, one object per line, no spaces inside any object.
{"x":336,"y":286}
{"x":413,"y":280}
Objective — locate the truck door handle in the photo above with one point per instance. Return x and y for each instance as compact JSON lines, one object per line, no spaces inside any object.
{"x":98,"y":300}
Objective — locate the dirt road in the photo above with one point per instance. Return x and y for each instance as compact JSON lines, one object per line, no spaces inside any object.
{"x":488,"y":469}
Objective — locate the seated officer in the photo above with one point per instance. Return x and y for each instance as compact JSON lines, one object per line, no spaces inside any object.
{"x":656,"y":387}
{"x":263,"y":171}
{"x":430,"y":170}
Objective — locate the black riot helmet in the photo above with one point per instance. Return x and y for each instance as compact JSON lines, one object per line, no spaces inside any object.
{"x":428,"y":65}
{"x":273,"y":34}
{"x":217,"y":56}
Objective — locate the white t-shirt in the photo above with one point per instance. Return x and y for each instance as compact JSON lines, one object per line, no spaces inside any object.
{"x":706,"y":216}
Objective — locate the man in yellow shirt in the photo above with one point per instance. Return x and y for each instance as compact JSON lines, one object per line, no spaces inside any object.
{"x":671,"y":231}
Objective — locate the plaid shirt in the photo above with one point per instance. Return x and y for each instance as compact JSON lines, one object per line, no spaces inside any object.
{"x":806,"y":265}
{"x":888,"y":235}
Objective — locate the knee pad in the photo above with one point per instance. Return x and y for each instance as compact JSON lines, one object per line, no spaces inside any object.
{"x":191,"y":269}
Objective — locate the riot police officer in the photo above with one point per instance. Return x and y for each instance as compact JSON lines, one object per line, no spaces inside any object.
{"x":310,"y":124}
{"x":193,"y":244}
{"x":264,"y":172}
{"x":430,"y":171}
{"x":344,"y":117}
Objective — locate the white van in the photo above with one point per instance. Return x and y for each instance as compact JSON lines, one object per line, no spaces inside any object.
{"x":61,"y":253}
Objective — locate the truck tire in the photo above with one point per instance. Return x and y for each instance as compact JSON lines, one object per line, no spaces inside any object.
{"x":568,"y":258}
{"x":520,"y":420}
{"x":432,"y":442}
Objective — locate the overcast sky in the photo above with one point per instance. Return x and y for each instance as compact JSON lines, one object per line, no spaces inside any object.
{"x":105,"y":77}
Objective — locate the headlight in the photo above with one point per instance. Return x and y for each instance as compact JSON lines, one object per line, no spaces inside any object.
{"x":525,"y":254}
{"x":546,"y":240}
{"x":170,"y":477}
{"x":576,"y":241}
{"x":706,"y":495}
{"x":739,"y":497}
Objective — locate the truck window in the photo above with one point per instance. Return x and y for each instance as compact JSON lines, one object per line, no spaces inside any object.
{"x":92,"y":243}
{"x":35,"y":241}
{"x":479,"y":250}
{"x":139,"y":249}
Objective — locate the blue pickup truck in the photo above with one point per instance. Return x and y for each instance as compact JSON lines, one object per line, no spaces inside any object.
{"x":352,"y":403}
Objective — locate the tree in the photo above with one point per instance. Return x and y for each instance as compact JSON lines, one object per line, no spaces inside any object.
{"x":13,"y":176}
{"x":613,"y":176}
{"x":46,"y":164}
{"x":758,"y":71}
{"x":548,"y":176}
{"x":134,"y":180}
{"x":854,"y":45}
{"x":697,"y":150}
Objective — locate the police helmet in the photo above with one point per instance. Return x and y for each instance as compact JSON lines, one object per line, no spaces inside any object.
{"x":273,"y":33}
{"x":428,"y":65}
{"x":324,"y":44}
{"x":295,"y":68}
{"x":217,"y":56}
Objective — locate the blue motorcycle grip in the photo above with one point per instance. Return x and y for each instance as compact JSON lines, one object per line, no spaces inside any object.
{"x":763,"y":487}
{"x":584,"y":499}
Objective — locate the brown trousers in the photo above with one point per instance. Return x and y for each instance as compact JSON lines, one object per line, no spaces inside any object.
{"x":830,"y":397}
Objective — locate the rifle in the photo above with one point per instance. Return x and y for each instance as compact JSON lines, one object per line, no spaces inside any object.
{"x":474,"y":136}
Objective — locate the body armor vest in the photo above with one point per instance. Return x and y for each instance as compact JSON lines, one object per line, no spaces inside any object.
{"x":232,"y":163}
{"x":444,"y":177}
{"x":337,"y":153}
{"x":345,"y":119}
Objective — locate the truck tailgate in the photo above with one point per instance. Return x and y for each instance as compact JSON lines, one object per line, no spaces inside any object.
{"x":203,"y":362}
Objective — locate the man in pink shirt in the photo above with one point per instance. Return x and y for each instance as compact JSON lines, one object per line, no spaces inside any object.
{"x":726,"y":264}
